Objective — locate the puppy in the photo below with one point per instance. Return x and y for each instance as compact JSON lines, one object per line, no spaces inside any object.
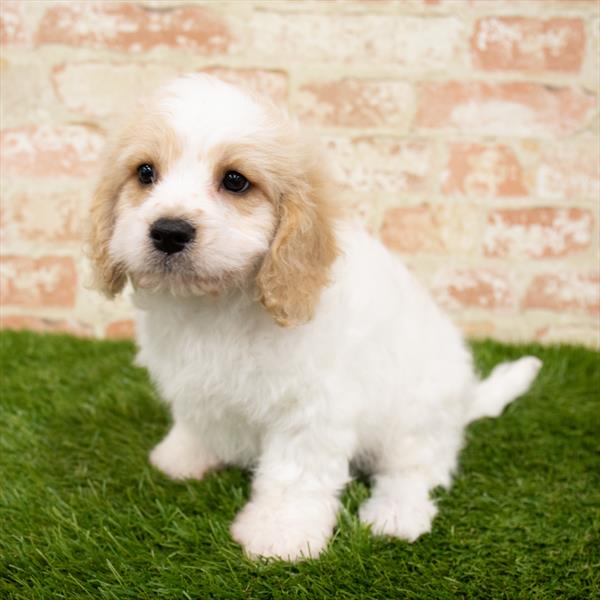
{"x":281,"y":335}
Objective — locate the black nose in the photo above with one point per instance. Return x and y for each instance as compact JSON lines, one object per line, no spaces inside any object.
{"x":171,"y":235}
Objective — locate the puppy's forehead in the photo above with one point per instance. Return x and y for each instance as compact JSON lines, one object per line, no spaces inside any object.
{"x":204,"y":111}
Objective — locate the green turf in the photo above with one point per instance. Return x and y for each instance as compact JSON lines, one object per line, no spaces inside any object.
{"x":82,"y":514}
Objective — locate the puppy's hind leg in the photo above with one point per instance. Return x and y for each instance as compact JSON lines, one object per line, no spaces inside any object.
{"x":400,"y":505}
{"x":181,"y":455}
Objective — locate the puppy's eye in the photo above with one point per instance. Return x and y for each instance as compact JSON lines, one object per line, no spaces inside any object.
{"x":146,"y":174}
{"x":235,"y":182}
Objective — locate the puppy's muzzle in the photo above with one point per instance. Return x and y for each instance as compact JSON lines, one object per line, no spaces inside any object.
{"x":171,"y":235}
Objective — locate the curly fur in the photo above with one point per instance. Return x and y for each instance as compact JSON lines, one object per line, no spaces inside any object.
{"x":284,"y":338}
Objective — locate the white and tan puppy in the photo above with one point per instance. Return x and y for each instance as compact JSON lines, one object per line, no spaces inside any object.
{"x":282,"y":336}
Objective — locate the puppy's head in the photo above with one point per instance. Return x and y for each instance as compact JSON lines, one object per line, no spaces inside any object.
{"x":208,"y":188}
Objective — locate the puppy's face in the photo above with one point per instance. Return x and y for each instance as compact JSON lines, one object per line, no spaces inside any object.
{"x":206,"y":189}
{"x":195,"y":211}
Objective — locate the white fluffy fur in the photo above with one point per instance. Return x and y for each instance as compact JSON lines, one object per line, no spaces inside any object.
{"x":379,"y":377}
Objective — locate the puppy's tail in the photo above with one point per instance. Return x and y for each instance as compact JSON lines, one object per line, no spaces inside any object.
{"x":507,"y":382}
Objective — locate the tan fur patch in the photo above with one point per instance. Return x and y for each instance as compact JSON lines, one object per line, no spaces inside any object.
{"x":296,"y":268}
{"x":146,"y":139}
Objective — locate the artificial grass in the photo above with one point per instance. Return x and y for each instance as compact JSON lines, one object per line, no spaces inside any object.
{"x":84,"y":515}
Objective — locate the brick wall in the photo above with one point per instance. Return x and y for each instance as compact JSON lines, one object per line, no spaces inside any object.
{"x":465,"y":133}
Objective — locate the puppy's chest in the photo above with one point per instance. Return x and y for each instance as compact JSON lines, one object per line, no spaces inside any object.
{"x":209,"y":366}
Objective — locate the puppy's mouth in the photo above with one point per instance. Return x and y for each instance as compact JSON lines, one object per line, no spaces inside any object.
{"x":174,"y":274}
{"x":171,"y":263}
{"x":176,"y":284}
{"x":180,"y":275}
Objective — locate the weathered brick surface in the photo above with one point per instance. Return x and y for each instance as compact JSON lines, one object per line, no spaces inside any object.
{"x":557,"y":333}
{"x":37,"y":282}
{"x":570,"y":171}
{"x":474,"y":288}
{"x":272,"y":83}
{"x":564,"y":292}
{"x":41,"y":216}
{"x":381,"y":163}
{"x":463,"y":133}
{"x":101,"y":89}
{"x":47,"y":151}
{"x":401,"y":40}
{"x":13,"y":29}
{"x":123,"y":329}
{"x":483,"y":171}
{"x":516,"y":108}
{"x":477,"y":329}
{"x":427,"y":228}
{"x":529,"y":44}
{"x":537,"y":232}
{"x":27,"y":96}
{"x":44,"y":325}
{"x":356,"y":103}
{"x":129,"y":27}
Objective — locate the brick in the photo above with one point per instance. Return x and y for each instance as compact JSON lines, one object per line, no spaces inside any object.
{"x":590,"y":76}
{"x":473,"y":288}
{"x":488,"y":171}
{"x":49,"y":151}
{"x":528,"y":44}
{"x":569,"y":172}
{"x":380,"y":163}
{"x":356,"y":103}
{"x":521,"y":109}
{"x":427,"y":228}
{"x":579,"y":333}
{"x":44,"y":282}
{"x":394,"y":39}
{"x":44,"y":325}
{"x":124,"y":329}
{"x":271,"y":83}
{"x":27,"y":96}
{"x":477,"y":329}
{"x":41,"y":216}
{"x":516,"y":6}
{"x":13,"y":27}
{"x":133,"y":28}
{"x":564,"y":292}
{"x":102,"y":89}
{"x":363,"y":209}
{"x":537,"y":232}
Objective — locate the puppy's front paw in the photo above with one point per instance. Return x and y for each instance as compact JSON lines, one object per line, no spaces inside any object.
{"x":178,"y":457}
{"x":290,"y":531}
{"x":388,"y":515}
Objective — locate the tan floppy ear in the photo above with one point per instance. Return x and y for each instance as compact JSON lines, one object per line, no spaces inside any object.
{"x":109,"y":277}
{"x":296,"y":268}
